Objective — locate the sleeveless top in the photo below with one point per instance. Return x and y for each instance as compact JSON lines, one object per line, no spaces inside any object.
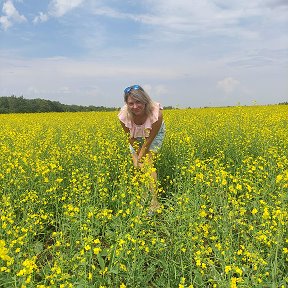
{"x":137,"y":131}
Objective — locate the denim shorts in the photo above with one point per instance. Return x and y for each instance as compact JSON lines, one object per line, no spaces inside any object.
{"x":156,"y":143}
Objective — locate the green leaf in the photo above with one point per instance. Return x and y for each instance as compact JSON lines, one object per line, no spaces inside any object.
{"x":101,"y":261}
{"x":38,"y":247}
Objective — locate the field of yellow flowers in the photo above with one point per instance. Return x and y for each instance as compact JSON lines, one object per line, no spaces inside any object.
{"x":73,"y":213}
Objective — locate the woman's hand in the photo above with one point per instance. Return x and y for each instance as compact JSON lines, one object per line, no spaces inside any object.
{"x":135,"y":160}
{"x":140,"y":164}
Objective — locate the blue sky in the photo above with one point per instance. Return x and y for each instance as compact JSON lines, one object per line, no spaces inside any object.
{"x":186,"y":53}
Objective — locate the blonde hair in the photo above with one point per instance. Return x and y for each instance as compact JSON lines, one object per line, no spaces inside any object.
{"x":140,"y":95}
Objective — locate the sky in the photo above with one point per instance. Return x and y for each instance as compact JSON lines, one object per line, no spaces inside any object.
{"x":184,"y":53}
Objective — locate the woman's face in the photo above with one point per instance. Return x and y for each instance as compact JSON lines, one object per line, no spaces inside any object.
{"x":135,"y":106}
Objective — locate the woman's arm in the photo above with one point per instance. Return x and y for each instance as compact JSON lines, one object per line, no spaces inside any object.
{"x":131,"y":141}
{"x":154,"y":131}
{"x":127,"y":131}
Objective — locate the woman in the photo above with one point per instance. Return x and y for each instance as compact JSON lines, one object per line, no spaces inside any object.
{"x":142,"y":118}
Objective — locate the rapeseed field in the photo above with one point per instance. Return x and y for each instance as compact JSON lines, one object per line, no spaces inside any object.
{"x":73,"y":211}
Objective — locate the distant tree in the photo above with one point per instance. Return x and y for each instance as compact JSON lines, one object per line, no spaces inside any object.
{"x":168,"y":108}
{"x":4,"y":105}
{"x":13,"y":104}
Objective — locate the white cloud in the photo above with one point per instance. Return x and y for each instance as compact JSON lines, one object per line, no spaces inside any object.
{"x":110,"y":12}
{"x":276,"y":3}
{"x":58,"y":8}
{"x":11,"y":15}
{"x":236,"y":19}
{"x":5,"y":23}
{"x":42,"y":17}
{"x":228,"y":84}
{"x":160,"y":90}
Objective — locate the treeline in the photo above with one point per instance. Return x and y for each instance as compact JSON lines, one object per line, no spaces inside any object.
{"x":13,"y":104}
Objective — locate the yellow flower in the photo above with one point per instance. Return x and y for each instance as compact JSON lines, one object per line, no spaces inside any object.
{"x":203,"y":213}
{"x":97,"y":241}
{"x":28,"y":279}
{"x":182,"y":280}
{"x":233,"y":283}
{"x":238,"y":271}
{"x":4,"y":252}
{"x":228,"y":269}
{"x":254,"y":211}
{"x":266,"y":214}
{"x":123,"y":267}
{"x":279,"y":178}
{"x":29,"y":266}
{"x":96,"y":250}
{"x":87,"y":247}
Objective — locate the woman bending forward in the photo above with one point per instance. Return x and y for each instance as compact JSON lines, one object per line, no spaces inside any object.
{"x":142,"y":118}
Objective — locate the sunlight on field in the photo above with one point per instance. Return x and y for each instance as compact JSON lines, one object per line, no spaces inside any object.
{"x":73,"y":215}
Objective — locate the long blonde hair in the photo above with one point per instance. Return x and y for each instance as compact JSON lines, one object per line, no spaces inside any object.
{"x":142,"y":96}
